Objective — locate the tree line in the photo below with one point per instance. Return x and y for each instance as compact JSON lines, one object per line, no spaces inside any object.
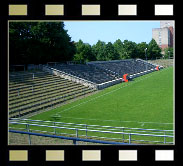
{"x":39,"y":43}
{"x":42,"y":42}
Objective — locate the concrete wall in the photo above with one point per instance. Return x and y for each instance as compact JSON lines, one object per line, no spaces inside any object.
{"x":141,"y":73}
{"x":109,"y":83}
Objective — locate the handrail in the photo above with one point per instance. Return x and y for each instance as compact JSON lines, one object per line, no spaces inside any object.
{"x":88,"y":125}
{"x":103,"y":131}
{"x":71,"y":138}
{"x":91,"y":128}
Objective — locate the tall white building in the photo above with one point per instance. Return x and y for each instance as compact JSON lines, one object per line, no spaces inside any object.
{"x":164,"y":35}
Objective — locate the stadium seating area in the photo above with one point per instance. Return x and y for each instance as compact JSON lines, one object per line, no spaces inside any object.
{"x":31,"y":92}
{"x":100,"y":72}
{"x":87,"y":72}
{"x":119,"y":68}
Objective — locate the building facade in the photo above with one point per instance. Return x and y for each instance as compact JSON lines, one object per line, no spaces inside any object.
{"x":164,"y":35}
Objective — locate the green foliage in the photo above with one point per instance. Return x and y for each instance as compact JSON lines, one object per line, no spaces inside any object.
{"x":125,"y":50}
{"x":39,"y":42}
{"x":111,"y":53}
{"x":99,"y":51}
{"x":83,"y":52}
{"x":118,"y":46}
{"x":105,"y":52}
{"x":153,"y":50}
{"x":168,"y":52}
{"x":130,"y":48}
{"x":141,"y":49}
{"x":42,"y":42}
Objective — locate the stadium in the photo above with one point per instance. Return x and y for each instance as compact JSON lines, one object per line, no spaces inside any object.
{"x":63,"y":90}
{"x":126,"y":101}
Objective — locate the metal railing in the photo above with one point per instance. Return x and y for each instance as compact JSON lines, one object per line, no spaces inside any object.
{"x":75,"y":140}
{"x":119,"y":134}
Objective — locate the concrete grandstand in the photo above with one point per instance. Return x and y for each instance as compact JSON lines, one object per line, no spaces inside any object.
{"x":31,"y":92}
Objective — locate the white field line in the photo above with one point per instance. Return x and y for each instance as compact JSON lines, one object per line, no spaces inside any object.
{"x":152,"y":74}
{"x":117,"y":120}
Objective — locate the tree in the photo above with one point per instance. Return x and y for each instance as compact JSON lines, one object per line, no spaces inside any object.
{"x":99,"y":51}
{"x":111,"y":53}
{"x":83,"y":52}
{"x":168,"y":52}
{"x":129,"y":49}
{"x":118,"y":46}
{"x":153,"y":50}
{"x":39,"y":42}
{"x":141,"y":49}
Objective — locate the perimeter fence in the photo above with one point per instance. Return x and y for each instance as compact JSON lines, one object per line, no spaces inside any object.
{"x":90,"y":133}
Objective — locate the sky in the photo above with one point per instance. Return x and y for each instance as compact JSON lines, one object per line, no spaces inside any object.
{"x":109,"y":31}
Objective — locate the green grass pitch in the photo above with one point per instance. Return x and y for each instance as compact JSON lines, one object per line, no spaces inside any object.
{"x":144,"y":102}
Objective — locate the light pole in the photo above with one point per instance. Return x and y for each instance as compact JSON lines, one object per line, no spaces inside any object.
{"x":146,"y":57}
{"x":169,"y":54}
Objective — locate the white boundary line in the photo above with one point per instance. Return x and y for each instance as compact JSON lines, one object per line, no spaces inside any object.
{"x":117,"y":120}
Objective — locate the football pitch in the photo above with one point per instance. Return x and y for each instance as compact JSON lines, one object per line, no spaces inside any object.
{"x":145,"y":102}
